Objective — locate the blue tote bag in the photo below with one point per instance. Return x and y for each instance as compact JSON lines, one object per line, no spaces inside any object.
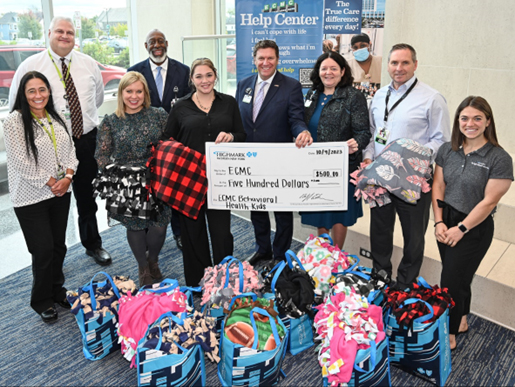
{"x":158,"y":368}
{"x":371,"y":367}
{"x":243,"y":366}
{"x":218,"y":313}
{"x":301,"y":329}
{"x":422,"y":349}
{"x":99,"y":332}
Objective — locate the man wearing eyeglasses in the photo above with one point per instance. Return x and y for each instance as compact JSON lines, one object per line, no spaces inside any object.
{"x":167,"y":81}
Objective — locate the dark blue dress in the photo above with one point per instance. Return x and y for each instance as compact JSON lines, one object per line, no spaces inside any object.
{"x":327,"y":219}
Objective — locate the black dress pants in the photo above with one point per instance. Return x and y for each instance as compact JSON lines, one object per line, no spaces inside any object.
{"x":283,"y":234}
{"x":195,"y":252}
{"x":460,"y":263}
{"x":44,"y":228}
{"x":414,"y":219}
{"x":83,"y":190}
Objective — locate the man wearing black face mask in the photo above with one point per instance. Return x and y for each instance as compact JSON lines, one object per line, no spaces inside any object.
{"x":167,"y":81}
{"x":365,"y":66}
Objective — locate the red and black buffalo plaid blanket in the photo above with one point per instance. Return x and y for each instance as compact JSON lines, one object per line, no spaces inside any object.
{"x":177,"y":176}
{"x":438,"y":298}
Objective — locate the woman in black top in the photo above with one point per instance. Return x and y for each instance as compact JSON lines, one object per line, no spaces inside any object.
{"x":472,"y":174}
{"x":204,"y":115}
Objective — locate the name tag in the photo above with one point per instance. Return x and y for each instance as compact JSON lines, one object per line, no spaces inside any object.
{"x":382,"y":136}
{"x":308,"y":103}
{"x":247,"y":98}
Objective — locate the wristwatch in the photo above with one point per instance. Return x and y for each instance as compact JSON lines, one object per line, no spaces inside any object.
{"x":69,"y":176}
{"x":463,"y":228}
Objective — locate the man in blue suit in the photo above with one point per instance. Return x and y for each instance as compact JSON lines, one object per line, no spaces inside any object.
{"x":167,"y":81}
{"x":272,"y":110}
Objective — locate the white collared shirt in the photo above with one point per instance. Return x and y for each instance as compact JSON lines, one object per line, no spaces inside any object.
{"x":423,"y":116}
{"x":86,"y":77}
{"x":164,"y":70}
{"x":268,"y":82}
{"x":27,"y":181}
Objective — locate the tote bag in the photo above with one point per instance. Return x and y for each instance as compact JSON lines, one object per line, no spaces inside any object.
{"x":424,"y":348}
{"x":159,"y":368}
{"x":301,"y":329}
{"x":243,"y":366}
{"x":99,"y":332}
{"x":371,"y":367}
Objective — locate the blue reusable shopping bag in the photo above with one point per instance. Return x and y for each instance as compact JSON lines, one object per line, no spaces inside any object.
{"x":99,"y":333}
{"x":242,"y":366}
{"x":422,"y":349}
{"x":371,"y":367}
{"x":218,"y":313}
{"x":158,"y":368}
{"x":301,"y":329}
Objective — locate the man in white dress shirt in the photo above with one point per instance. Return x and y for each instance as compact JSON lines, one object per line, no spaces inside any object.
{"x":78,"y":92}
{"x":405,"y":108}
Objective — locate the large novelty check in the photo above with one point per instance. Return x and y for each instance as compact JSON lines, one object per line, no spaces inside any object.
{"x":277,"y":176}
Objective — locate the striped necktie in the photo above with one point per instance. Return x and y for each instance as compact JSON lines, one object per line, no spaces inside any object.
{"x":73,"y":103}
{"x":260,"y":97}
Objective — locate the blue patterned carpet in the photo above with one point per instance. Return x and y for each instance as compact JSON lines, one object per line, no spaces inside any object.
{"x":35,"y":354}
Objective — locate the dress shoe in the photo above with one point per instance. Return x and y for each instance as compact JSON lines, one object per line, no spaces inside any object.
{"x":178,"y":240}
{"x":49,"y":315}
{"x":101,"y":256}
{"x":64,"y":304}
{"x":259,"y":257}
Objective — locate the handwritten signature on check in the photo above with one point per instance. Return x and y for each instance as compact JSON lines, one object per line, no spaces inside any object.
{"x":312,"y":196}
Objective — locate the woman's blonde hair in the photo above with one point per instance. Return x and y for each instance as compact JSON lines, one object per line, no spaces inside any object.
{"x":201,"y":62}
{"x":127,"y":80}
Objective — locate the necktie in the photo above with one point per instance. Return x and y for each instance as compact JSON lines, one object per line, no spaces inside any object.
{"x":159,"y":83}
{"x":260,"y":97}
{"x":73,"y":103}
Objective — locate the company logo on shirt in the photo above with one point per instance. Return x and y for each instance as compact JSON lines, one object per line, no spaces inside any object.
{"x":480,"y":164}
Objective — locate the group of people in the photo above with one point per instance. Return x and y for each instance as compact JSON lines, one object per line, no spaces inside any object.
{"x":53,"y":145}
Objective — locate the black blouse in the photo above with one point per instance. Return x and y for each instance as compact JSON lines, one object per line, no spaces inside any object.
{"x":193,"y":127}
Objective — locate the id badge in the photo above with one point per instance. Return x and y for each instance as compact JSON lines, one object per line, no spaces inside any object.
{"x":60,"y":172}
{"x":67,"y":115}
{"x":247,"y":98}
{"x":308,"y":103}
{"x":382,"y":135}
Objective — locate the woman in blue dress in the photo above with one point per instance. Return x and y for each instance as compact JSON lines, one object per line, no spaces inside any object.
{"x":335,"y":111}
{"x":123,"y":137}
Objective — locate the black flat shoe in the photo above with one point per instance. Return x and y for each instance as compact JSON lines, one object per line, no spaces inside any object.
{"x":462,"y":332}
{"x":49,"y":315}
{"x":64,"y":304}
{"x":101,"y":256}
{"x":257,"y":257}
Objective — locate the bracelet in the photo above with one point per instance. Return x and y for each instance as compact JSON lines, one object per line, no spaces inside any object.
{"x":441,"y":221}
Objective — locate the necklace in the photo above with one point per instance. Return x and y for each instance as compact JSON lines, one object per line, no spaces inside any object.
{"x":204,"y":107}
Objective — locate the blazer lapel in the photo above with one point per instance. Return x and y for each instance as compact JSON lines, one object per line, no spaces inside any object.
{"x":151,"y":81}
{"x":168,"y":81}
{"x":248,"y":107}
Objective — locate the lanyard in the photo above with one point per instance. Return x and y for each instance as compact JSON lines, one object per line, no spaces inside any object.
{"x":386,"y":111}
{"x":63,"y":79}
{"x":50,"y":135}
